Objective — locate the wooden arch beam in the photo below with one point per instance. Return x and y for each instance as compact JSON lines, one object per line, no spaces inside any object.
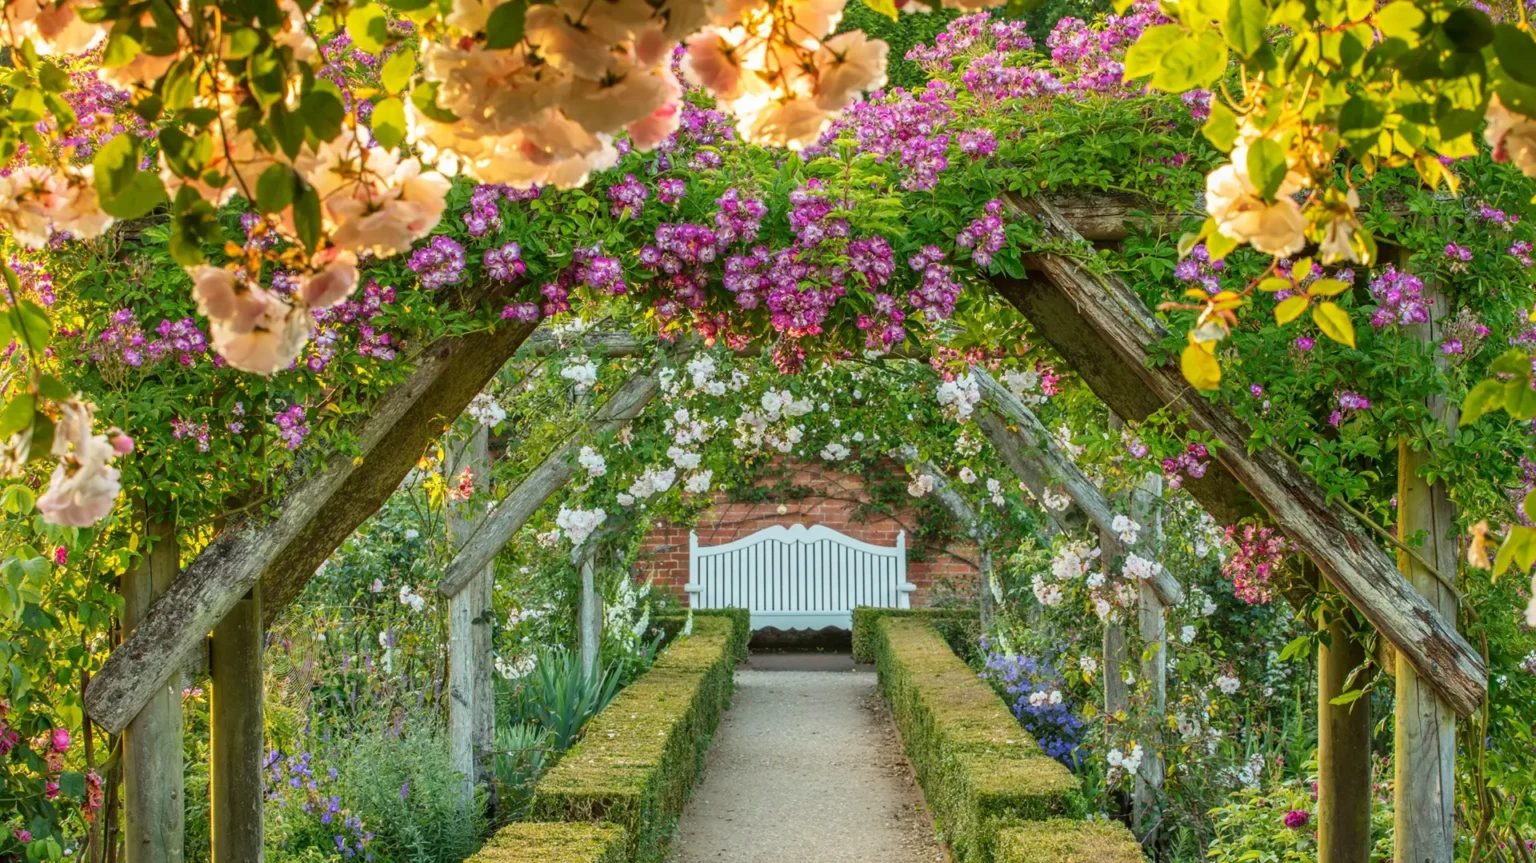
{"x":320,"y":509}
{"x":1102,"y":329}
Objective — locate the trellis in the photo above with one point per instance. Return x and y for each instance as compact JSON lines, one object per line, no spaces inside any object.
{"x":1096,"y":323}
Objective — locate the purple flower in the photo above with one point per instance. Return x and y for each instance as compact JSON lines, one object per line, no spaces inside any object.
{"x":505,"y":263}
{"x":439,"y":263}
{"x":627,"y":198}
{"x":1297,"y":819}
{"x":1400,"y":298}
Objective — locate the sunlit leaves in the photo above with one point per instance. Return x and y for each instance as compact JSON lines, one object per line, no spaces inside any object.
{"x":125,"y":191}
{"x":389,"y":122}
{"x":1266,"y":167}
{"x":1289,"y":309}
{"x":1199,"y":365}
{"x":1519,"y":547}
{"x":505,"y":27}
{"x":1334,"y":322}
{"x":368,"y":28}
{"x":1244,"y":30}
{"x":397,"y":70}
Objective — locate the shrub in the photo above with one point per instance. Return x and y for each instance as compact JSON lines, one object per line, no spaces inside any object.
{"x":638,"y":759}
{"x":554,"y":843}
{"x":559,"y":698}
{"x":1062,"y":840}
{"x":673,"y":623}
{"x":403,"y":788}
{"x":979,"y":770}
{"x":1279,"y":824}
{"x":955,"y":624}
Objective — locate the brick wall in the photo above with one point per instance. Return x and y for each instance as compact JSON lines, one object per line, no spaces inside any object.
{"x":834,"y":502}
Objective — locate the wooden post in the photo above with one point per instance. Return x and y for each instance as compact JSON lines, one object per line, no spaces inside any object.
{"x":471,"y":692}
{"x":984,"y":555}
{"x":153,"y":792}
{"x":1343,"y":748}
{"x":590,"y":621}
{"x":1152,"y":621}
{"x":1117,"y":654}
{"x":237,"y":744}
{"x":1424,"y":729}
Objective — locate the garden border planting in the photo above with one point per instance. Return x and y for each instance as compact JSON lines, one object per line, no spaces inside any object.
{"x":523,"y":841}
{"x":864,"y":618}
{"x":981,"y":773}
{"x":638,"y":759}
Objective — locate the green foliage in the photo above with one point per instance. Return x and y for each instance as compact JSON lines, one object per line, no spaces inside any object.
{"x":979,"y":770}
{"x":955,"y":624}
{"x":639,"y":758}
{"x":1251,"y":826}
{"x":558,"y":697}
{"x":1061,"y":840}
{"x":555,"y":843}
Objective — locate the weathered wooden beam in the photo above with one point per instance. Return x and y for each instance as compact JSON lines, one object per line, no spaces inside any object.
{"x":316,"y":514}
{"x":1026,"y":447}
{"x":589,"y":622}
{"x":471,"y":687}
{"x":154,"y":797}
{"x":1106,"y":332}
{"x":237,"y":741}
{"x":1424,"y":728}
{"x":549,"y":477}
{"x":1152,"y":626}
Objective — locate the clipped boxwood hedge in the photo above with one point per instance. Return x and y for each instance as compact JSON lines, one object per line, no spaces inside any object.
{"x":523,"y":842}
{"x":638,"y":759}
{"x":1061,"y":840}
{"x":952,"y":623}
{"x":672,"y":623}
{"x":979,"y":770}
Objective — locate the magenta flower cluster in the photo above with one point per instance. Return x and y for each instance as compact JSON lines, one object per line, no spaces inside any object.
{"x":439,"y":263}
{"x":360,"y":309}
{"x":1192,"y":462}
{"x":291,"y":426}
{"x":1400,"y":298}
{"x":505,"y":262}
{"x":627,"y":198}
{"x":1197,"y":267}
{"x":124,"y":341}
{"x":984,"y":236}
{"x":184,"y":428}
{"x":1348,"y":403}
{"x":1261,"y":552}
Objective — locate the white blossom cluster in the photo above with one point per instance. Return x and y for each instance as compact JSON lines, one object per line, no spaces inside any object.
{"x":411,"y":599}
{"x":579,"y":524}
{"x":699,"y":482}
{"x":834,"y":452}
{"x":592,"y":462}
{"x":958,"y":398}
{"x":995,"y":492}
{"x":485,"y":410}
{"x":84,"y":484}
{"x":1024,"y":383}
{"x":1228,"y":684}
{"x":967,"y":475}
{"x":581,"y":372}
{"x":1138,"y":568}
{"x":652,"y":481}
{"x":516,"y":669}
{"x":1126,"y":529}
{"x":920,"y":486}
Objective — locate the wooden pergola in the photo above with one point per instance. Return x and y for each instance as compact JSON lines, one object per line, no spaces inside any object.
{"x":1096,"y":323}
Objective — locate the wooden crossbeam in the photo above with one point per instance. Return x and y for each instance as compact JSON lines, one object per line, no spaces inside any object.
{"x":1106,"y":333}
{"x":317,"y":513}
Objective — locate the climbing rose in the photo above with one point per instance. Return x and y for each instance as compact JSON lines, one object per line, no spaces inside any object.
{"x":1296,"y":819}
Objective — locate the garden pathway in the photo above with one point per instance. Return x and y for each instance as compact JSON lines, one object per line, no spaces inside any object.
{"x":806,"y":768}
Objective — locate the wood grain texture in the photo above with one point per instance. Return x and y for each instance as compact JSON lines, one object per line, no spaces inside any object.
{"x":1115,"y":332}
{"x":154,"y":796}
{"x":471,"y":692}
{"x":237,"y":742}
{"x":317,"y":513}
{"x":550,"y":476}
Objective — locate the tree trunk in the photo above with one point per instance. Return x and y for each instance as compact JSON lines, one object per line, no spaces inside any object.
{"x":153,"y":792}
{"x":1343,"y":751}
{"x":1424,"y":728}
{"x":471,"y":693}
{"x":237,"y":745}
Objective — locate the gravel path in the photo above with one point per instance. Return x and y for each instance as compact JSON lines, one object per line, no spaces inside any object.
{"x":806,"y":768}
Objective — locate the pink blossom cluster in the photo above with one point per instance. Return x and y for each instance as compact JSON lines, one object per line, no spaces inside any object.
{"x":1464,"y":334}
{"x":1192,"y":462}
{"x":185,"y":428}
{"x":935,"y":296}
{"x":907,"y":128}
{"x":984,"y":236}
{"x":9,"y":736}
{"x":1261,"y":552}
{"x":505,"y":262}
{"x":439,"y":263}
{"x":1095,"y":55}
{"x":360,"y":310}
{"x":123,"y":341}
{"x":590,"y":267}
{"x":1348,"y":403}
{"x":969,"y":32}
{"x":484,"y":213}
{"x":291,"y":426}
{"x":1400,"y":298}
{"x":626,"y":198}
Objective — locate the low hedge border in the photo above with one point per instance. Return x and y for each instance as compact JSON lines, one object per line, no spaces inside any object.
{"x":637,"y":760}
{"x":953,"y":623}
{"x":1061,"y":840}
{"x":979,"y":770}
{"x":672,"y":623}
{"x":524,"y":842}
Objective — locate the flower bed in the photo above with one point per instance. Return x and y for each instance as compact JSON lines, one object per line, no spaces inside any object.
{"x":981,"y":773}
{"x":638,"y":758}
{"x":951,"y":623}
{"x":555,"y":843}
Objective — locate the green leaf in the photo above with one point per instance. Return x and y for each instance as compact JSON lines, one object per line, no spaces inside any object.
{"x":1219,"y":245}
{"x":124,"y":190}
{"x":1512,"y":362}
{"x":53,"y":388}
{"x":31,"y":325}
{"x":323,"y":110}
{"x":1327,"y":288}
{"x":1360,"y":122}
{"x":1221,"y":127}
{"x":424,"y":97}
{"x":504,"y":28}
{"x":1520,"y":399}
{"x":274,"y":189}
{"x":1334,"y":322}
{"x":1486,"y":396}
{"x":1289,"y":309}
{"x":389,"y":122}
{"x":306,"y":213}
{"x":18,"y":499}
{"x":1144,"y":57}
{"x":17,"y":414}
{"x":1400,"y":20}
{"x":1299,"y":648}
{"x":1266,"y":167}
{"x":1276,"y":283}
{"x":1516,"y":52}
{"x":1194,"y":61}
{"x":27,"y":106}
{"x":398,"y":70}
{"x":1468,"y":29}
{"x":1349,"y":697}
{"x":288,"y":128}
{"x":1244,"y":27}
{"x":368,"y":28}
